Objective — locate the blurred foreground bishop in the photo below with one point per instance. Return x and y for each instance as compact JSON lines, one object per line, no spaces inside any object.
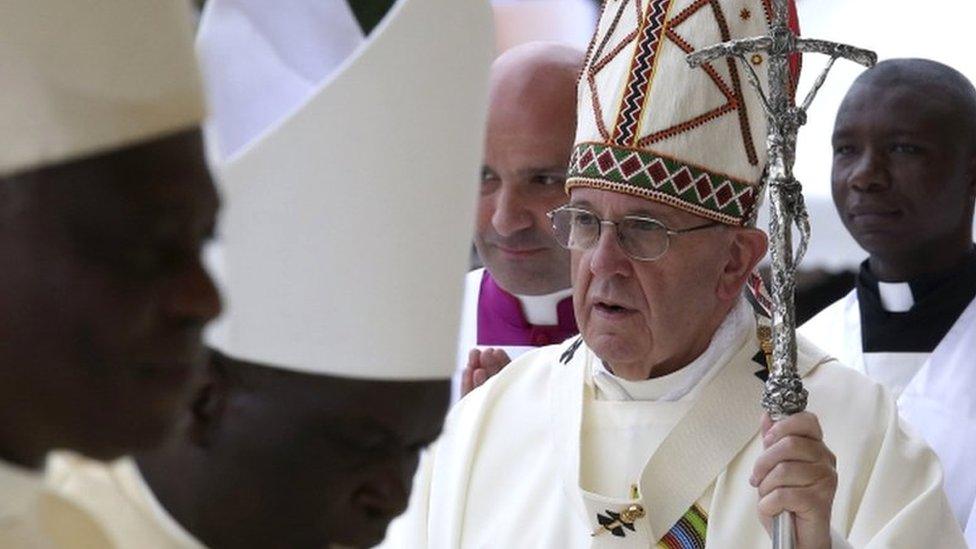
{"x":647,"y":429}
{"x":344,"y":242}
{"x":105,"y":202}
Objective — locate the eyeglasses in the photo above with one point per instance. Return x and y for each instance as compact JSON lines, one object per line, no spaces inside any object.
{"x":641,"y":238}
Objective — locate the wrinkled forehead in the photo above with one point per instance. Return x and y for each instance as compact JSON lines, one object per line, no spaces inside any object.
{"x":611,"y":204}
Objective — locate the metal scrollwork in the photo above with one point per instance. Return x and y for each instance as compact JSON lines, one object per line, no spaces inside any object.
{"x":784,"y":393}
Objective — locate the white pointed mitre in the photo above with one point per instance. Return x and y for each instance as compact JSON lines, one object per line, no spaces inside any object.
{"x":78,"y":78}
{"x":346,"y":228}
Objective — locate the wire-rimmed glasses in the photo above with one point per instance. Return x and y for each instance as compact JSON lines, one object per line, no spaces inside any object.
{"x":641,"y":238}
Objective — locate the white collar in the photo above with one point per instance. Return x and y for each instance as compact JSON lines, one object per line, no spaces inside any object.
{"x":540,"y":310}
{"x":737,"y":325}
{"x":896,"y":297}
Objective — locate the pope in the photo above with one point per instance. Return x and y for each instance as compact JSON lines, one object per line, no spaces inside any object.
{"x":647,"y":429}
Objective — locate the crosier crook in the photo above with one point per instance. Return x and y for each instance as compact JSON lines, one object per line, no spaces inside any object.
{"x":784,"y":394}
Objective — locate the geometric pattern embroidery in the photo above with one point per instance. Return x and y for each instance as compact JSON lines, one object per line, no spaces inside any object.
{"x":687,"y":533}
{"x":642,"y":68}
{"x":648,"y":39}
{"x":656,"y":177}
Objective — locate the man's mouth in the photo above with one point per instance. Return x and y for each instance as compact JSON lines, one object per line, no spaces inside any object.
{"x":612,"y":309}
{"x":519,"y":252}
{"x":870,"y":212}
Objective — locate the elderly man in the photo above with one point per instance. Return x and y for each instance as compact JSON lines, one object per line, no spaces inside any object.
{"x":904,"y":181}
{"x":521,"y":299}
{"x":333,"y":361}
{"x":105,"y":202}
{"x":645,"y":431}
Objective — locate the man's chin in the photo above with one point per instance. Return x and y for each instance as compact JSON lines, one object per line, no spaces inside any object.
{"x":515,"y":277}
{"x":613,"y":348}
{"x":368,"y":533}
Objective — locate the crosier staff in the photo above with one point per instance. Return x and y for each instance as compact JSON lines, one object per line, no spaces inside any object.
{"x":784,"y":394}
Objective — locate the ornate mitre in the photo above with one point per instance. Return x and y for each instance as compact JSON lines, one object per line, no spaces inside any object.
{"x":651,"y":126}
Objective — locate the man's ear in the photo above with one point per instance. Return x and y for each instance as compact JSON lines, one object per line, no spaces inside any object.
{"x":746,"y":248}
{"x":209,"y":402}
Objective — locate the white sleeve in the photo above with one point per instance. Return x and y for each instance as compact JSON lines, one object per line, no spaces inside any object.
{"x":837,"y":541}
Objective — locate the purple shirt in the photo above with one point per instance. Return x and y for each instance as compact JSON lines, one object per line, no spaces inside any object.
{"x":501,"y":320}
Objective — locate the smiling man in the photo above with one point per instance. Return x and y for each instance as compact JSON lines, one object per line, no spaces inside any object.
{"x":521,"y":299}
{"x":904,"y":182}
{"x":646,"y":430}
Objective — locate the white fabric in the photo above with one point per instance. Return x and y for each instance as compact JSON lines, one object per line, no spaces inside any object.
{"x":896,"y":297}
{"x":541,"y":310}
{"x":635,"y":430}
{"x":34,"y":517}
{"x":894,"y":370}
{"x":341,"y":258}
{"x":119,"y":498}
{"x":261,"y":60}
{"x":937,"y":402}
{"x":529,"y":418}
{"x":85,"y":77}
{"x":676,"y":385}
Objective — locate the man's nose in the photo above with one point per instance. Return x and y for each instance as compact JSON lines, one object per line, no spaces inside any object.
{"x":607,"y":257}
{"x":869,"y":171}
{"x":511,"y":213}
{"x":193,"y":296}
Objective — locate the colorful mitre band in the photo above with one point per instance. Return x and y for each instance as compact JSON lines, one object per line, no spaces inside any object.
{"x":651,"y":126}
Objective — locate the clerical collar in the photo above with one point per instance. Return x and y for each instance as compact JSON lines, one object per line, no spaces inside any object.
{"x":504,"y":320}
{"x":542,"y":310}
{"x":913,"y":316}
{"x":738,"y":324}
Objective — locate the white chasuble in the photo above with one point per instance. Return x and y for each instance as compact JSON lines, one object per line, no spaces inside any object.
{"x":119,"y":498}
{"x":937,"y":402}
{"x":507,"y":470}
{"x":34,"y":517}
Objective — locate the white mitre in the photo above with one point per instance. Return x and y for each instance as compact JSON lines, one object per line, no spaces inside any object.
{"x":346,"y":227}
{"x":261,"y":60}
{"x":78,"y":78}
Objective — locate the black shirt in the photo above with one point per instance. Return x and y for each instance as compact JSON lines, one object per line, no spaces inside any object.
{"x":939,"y":300}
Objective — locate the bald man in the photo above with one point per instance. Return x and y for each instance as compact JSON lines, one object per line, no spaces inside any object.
{"x":904,"y":181}
{"x":522,"y":298}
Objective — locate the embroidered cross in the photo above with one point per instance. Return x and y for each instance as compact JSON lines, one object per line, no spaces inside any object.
{"x":616,"y":522}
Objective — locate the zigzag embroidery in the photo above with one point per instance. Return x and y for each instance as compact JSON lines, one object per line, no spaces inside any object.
{"x":642,"y":68}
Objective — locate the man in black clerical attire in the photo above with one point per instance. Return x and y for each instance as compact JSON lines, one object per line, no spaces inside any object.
{"x":904,"y":181}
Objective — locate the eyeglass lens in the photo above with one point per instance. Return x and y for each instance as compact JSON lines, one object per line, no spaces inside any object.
{"x":639,"y":238}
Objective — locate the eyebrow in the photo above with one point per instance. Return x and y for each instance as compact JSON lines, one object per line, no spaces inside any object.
{"x":552,"y":170}
{"x":642,"y":212}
